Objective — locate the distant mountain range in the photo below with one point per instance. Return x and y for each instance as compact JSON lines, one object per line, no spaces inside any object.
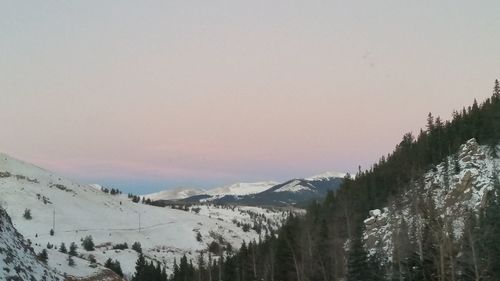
{"x":293,"y":192}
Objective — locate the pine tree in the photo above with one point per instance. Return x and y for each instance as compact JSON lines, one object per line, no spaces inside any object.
{"x":490,"y":228}
{"x":114,"y":266}
{"x":27,"y":214}
{"x":231,"y":270}
{"x":175,"y":273}
{"x":137,"y":247}
{"x":287,"y":249}
{"x":359,"y":268}
{"x":469,"y":260}
{"x":496,"y":90}
{"x":62,"y":248}
{"x":71,"y":261}
{"x":140,"y":269}
{"x":43,"y":256}
{"x":88,"y":243}
{"x":72,"y":249}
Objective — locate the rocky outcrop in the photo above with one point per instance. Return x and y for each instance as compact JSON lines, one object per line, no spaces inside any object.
{"x":452,"y":191}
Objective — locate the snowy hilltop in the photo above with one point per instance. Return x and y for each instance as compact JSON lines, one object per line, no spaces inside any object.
{"x":64,"y":211}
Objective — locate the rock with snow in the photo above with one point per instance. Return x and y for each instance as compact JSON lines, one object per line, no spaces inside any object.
{"x":455,"y":190}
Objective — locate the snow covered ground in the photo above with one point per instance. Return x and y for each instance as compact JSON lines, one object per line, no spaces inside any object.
{"x":16,"y":259}
{"x":79,"y":210}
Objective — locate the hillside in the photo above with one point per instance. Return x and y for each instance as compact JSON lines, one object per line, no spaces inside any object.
{"x":429,"y":210}
{"x":455,"y":190}
{"x":81,"y":210}
{"x":17,"y":258}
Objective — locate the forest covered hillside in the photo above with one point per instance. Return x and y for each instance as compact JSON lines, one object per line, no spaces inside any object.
{"x":439,"y":193}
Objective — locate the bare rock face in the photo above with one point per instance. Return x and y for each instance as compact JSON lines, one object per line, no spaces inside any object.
{"x":453,"y":190}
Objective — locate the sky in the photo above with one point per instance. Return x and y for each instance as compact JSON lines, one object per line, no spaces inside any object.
{"x":151,"y":95}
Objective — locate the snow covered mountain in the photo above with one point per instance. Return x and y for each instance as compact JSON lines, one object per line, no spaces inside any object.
{"x":175,"y":194}
{"x":75,"y":211}
{"x":298,"y":191}
{"x":326,"y":176}
{"x":240,"y":189}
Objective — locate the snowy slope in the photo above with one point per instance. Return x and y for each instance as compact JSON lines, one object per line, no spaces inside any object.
{"x":17,"y":259}
{"x":82,"y":210}
{"x":174,"y":194}
{"x":294,"y":186}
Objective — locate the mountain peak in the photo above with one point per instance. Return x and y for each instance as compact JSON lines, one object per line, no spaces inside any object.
{"x":242,"y":188}
{"x":326,"y":175}
{"x":175,"y":194}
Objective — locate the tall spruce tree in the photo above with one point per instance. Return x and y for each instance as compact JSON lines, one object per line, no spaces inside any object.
{"x":490,"y":227}
{"x":359,"y":268}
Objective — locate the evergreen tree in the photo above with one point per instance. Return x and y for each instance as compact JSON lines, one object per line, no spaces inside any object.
{"x":358,"y":264}
{"x":137,"y":247}
{"x":88,"y":243}
{"x":496,"y":90}
{"x":287,"y":251}
{"x":490,"y":228}
{"x":231,"y":270}
{"x":175,"y":273}
{"x":114,"y":266}
{"x":72,"y":249}
{"x":469,"y":261}
{"x":71,"y":261}
{"x":62,"y":248}
{"x":27,"y":214}
{"x":43,"y":256}
{"x":140,"y":269}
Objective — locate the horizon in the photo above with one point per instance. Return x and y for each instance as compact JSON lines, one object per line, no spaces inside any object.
{"x":151,"y":97}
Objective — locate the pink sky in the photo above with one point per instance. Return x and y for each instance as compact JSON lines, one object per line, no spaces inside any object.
{"x":160,"y":94}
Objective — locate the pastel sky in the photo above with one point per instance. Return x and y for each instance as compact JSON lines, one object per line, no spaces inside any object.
{"x":148,"y":95}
